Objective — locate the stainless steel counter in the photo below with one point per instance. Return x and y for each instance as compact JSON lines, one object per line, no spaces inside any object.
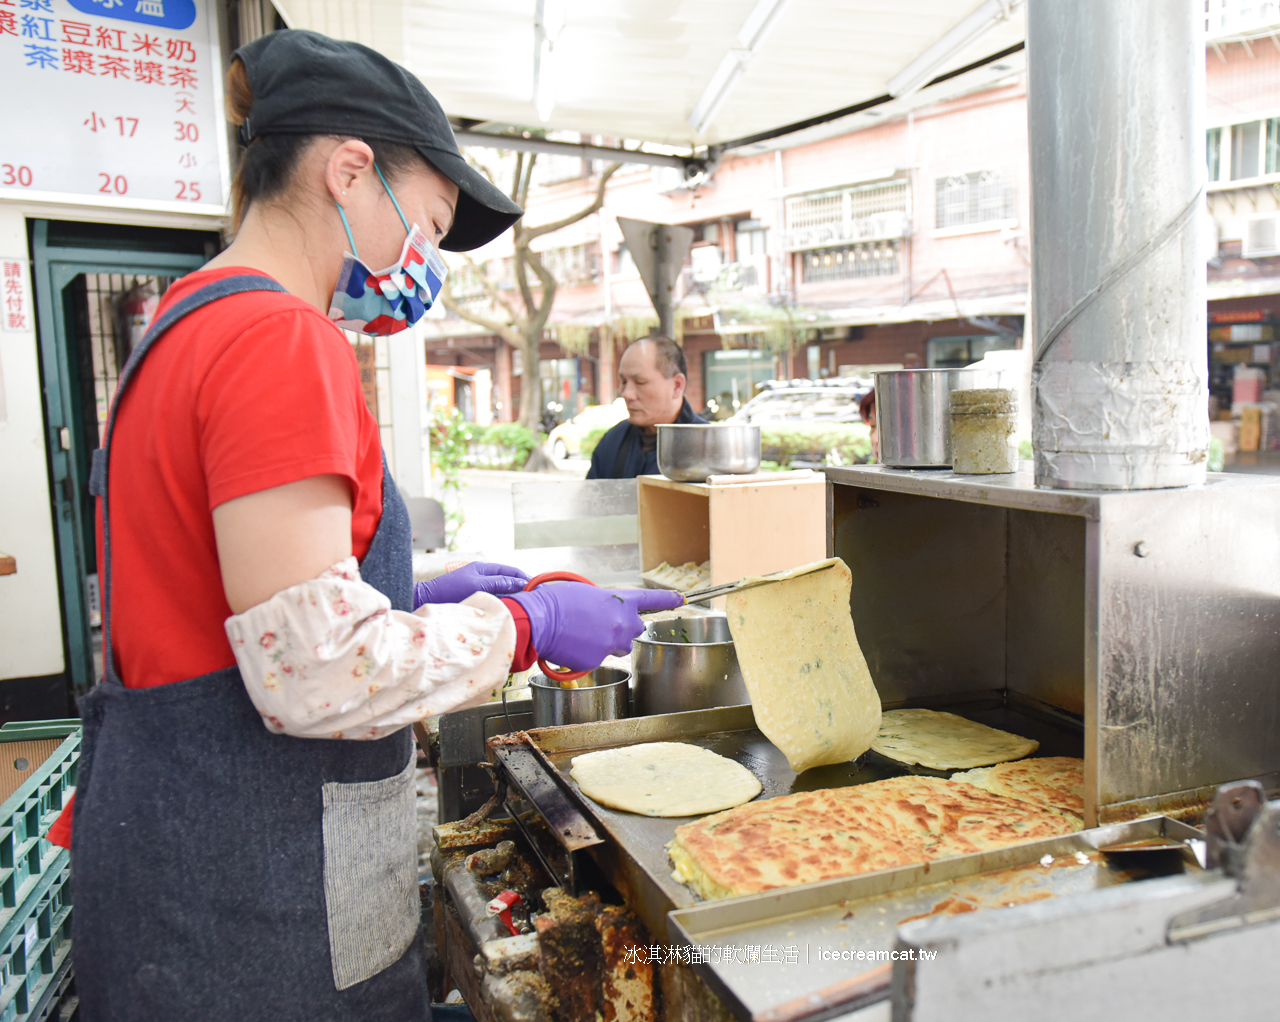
{"x":1153,"y":616}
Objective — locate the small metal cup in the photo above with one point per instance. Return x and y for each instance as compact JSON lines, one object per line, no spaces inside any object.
{"x":601,"y":695}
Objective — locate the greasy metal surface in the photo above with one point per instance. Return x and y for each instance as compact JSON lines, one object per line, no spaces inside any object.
{"x":913,"y":413}
{"x":1015,"y":490}
{"x":1116,"y":101}
{"x":547,"y":815}
{"x":966,"y":585}
{"x":640,"y":864}
{"x":1256,"y":862}
{"x":1188,"y":638}
{"x":929,"y":604}
{"x":862,"y":914}
{"x":1045,"y":608}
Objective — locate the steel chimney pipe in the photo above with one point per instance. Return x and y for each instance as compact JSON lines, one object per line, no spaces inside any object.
{"x":1116,"y":119}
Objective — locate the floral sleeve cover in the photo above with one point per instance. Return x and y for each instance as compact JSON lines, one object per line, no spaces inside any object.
{"x":330,"y":658}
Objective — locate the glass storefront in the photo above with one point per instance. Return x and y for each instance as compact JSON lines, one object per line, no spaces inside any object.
{"x":729,"y":378}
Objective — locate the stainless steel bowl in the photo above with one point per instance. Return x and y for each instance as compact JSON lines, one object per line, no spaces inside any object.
{"x":601,"y":695}
{"x":913,"y":413}
{"x":688,"y":454}
{"x":687,"y":663}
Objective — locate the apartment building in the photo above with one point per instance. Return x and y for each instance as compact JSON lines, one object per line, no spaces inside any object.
{"x":897,"y":242}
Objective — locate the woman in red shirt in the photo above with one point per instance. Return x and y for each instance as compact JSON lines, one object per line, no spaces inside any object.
{"x":244,"y":838}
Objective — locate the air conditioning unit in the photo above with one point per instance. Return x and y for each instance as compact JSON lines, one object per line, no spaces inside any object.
{"x":1261,"y":236}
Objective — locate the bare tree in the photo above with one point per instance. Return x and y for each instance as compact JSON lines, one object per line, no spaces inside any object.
{"x":521,"y":324}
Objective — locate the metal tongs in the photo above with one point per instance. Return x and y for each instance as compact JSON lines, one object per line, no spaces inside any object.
{"x":751,"y":581}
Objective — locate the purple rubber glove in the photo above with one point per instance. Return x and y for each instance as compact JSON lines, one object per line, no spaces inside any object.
{"x":574,"y":625}
{"x":476,"y":577}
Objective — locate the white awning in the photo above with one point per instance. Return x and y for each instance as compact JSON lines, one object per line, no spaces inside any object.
{"x":640,"y":69}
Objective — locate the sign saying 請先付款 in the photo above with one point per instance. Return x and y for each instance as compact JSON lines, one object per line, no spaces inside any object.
{"x":116,"y":102}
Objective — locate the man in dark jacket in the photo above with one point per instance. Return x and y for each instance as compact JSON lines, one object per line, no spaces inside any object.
{"x":652,"y":376}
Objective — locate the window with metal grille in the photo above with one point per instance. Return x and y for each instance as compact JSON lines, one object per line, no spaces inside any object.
{"x":977,"y":198}
{"x":857,"y":213}
{"x":872,"y":259}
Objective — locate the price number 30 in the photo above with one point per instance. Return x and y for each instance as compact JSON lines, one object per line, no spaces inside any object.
{"x":14,"y":175}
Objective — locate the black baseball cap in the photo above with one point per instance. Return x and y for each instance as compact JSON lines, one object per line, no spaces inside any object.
{"x":305,"y":83}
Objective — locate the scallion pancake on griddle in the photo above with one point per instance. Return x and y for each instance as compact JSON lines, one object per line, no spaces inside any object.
{"x":836,"y":832}
{"x":945,"y":741}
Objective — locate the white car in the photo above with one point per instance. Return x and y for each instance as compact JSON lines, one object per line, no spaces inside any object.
{"x":831,"y":400}
{"x":566,"y":439}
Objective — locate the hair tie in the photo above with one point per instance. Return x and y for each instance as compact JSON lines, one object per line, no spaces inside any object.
{"x":244,"y":134}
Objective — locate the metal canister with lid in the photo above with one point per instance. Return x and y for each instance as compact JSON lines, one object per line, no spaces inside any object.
{"x":983,"y":423}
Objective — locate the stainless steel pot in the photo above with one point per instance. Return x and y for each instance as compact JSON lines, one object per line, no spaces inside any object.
{"x":601,"y":695}
{"x":913,"y":413}
{"x":687,"y":663}
{"x":690,"y":453}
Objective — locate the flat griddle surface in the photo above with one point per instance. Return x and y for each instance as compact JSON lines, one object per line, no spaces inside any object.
{"x":644,"y":838}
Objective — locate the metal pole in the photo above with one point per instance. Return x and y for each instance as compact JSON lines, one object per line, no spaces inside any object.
{"x":662,"y":297}
{"x":1116,"y":119}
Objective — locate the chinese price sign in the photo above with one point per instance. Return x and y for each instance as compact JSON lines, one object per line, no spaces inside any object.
{"x":15,"y":298}
{"x":114,"y":101}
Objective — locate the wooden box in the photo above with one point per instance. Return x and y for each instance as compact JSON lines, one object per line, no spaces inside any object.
{"x":743,"y":528}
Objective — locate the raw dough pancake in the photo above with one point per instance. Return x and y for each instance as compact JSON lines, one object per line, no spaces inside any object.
{"x":835,"y":832}
{"x":943,"y":741}
{"x":809,"y":683}
{"x":1054,"y":782}
{"x":664,"y":779}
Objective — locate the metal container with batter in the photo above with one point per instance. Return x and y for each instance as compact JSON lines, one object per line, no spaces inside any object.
{"x":913,"y":413}
{"x":687,"y":663}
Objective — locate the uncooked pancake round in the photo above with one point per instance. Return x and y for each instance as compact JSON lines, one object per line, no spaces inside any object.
{"x":944,"y":741}
{"x":664,"y":779}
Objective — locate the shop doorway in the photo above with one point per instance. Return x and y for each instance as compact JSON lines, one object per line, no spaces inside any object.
{"x":96,"y":286}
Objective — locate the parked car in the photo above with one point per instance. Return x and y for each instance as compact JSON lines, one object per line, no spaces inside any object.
{"x":831,"y":400}
{"x":566,"y":439}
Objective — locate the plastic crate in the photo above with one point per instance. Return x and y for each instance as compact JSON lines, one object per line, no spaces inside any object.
{"x":35,"y":956}
{"x":26,"y":815}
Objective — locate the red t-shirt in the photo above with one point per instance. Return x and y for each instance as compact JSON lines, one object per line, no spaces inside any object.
{"x":252,"y":391}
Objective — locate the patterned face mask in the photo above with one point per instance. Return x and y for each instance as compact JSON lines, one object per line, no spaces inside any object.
{"x":383,"y":302}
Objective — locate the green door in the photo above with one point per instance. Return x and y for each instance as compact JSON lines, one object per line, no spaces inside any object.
{"x":78,"y":272}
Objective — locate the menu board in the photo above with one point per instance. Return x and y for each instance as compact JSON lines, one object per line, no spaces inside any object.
{"x":113,"y":102}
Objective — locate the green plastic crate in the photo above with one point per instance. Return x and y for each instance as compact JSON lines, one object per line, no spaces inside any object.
{"x":35,"y":956}
{"x":26,"y":815}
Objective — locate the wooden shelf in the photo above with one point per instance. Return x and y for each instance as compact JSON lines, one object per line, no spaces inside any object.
{"x":748,"y":528}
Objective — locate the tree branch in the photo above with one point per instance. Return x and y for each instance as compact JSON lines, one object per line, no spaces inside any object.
{"x":492,"y":291}
{"x":515,"y":184}
{"x":573,"y":218}
{"x":506,"y":331}
{"x":548,"y":296}
{"x":522,"y":279}
{"x":528,"y":180}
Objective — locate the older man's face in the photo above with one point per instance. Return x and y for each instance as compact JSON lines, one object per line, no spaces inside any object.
{"x":651,"y":398}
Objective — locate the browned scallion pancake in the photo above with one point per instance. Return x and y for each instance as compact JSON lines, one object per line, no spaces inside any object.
{"x":835,"y":832}
{"x":1053,"y":782}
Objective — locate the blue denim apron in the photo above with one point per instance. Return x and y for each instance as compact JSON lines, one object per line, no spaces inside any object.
{"x":226,"y":873}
